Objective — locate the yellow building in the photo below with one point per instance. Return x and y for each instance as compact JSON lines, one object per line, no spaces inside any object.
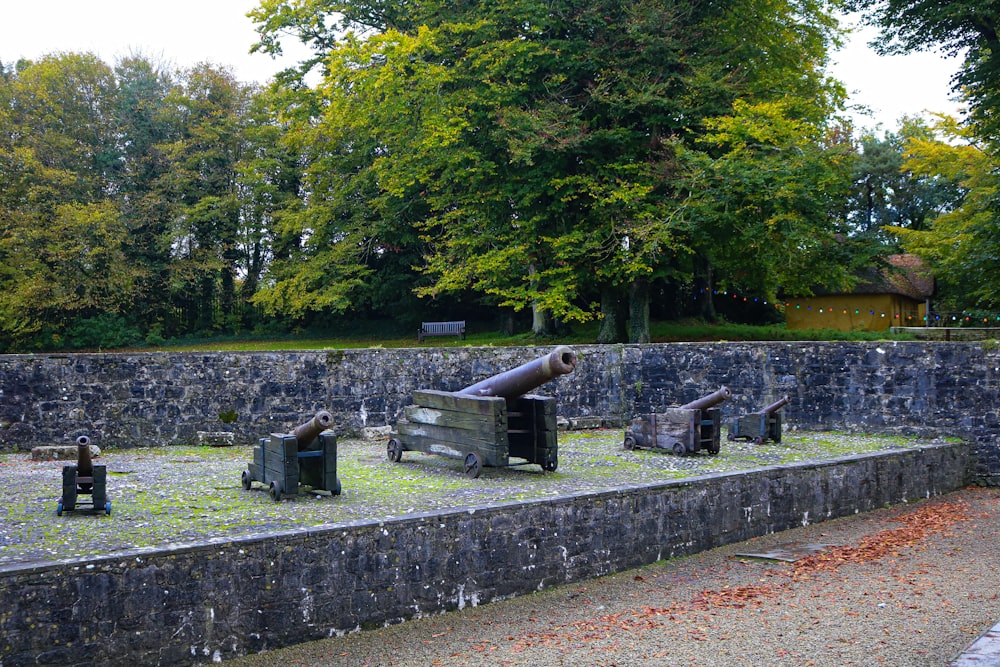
{"x":896,"y":296}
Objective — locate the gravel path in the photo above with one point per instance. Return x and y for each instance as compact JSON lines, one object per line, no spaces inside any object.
{"x":912,"y":585}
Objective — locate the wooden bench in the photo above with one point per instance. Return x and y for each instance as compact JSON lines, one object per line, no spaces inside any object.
{"x":441,"y":329}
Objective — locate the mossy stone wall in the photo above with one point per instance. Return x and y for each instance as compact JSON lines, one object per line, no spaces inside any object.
{"x":142,"y":399}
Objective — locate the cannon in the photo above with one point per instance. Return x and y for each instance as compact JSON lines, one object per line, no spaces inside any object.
{"x":761,"y":426}
{"x":689,"y":429}
{"x":490,"y":422}
{"x":84,"y":479}
{"x":306,"y":457}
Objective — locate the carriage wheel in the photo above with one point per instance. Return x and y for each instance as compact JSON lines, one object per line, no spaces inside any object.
{"x":394,"y":450}
{"x":274,"y":490}
{"x":246,"y":481}
{"x":550,"y":466}
{"x":680,"y":449}
{"x":59,"y":508}
{"x":472,"y":467}
{"x":107,"y":508}
{"x":630,"y":441}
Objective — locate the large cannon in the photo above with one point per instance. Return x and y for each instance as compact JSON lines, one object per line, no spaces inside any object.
{"x":84,"y":479}
{"x":760,"y":426}
{"x":307,"y":456}
{"x":490,"y":422}
{"x":689,"y":429}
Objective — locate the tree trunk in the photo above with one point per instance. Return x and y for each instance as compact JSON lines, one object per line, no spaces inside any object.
{"x":541,"y":320}
{"x":638,"y":307}
{"x":613,"y":316}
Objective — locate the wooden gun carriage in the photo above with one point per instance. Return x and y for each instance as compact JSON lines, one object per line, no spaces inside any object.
{"x":84,"y":479}
{"x":761,"y":426}
{"x":689,"y":429}
{"x":307,"y":456}
{"x":488,"y":423}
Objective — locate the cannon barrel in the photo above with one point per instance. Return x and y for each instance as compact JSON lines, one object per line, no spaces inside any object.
{"x":84,"y":464}
{"x":706,"y":402}
{"x":519,"y":381}
{"x":777,"y":405}
{"x":310,"y":430}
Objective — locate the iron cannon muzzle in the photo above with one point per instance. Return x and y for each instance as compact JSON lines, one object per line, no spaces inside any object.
{"x":519,"y":381}
{"x":777,"y":405}
{"x":84,"y":464}
{"x":706,"y":402}
{"x":308,"y":432}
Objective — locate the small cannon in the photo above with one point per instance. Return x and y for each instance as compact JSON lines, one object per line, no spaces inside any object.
{"x":84,"y":479}
{"x":307,"y":456}
{"x":489,"y":422}
{"x":761,"y":426}
{"x":689,"y":429}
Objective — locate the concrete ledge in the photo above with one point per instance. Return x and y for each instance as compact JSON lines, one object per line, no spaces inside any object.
{"x":67,"y":453}
{"x":196,"y":604}
{"x":216,"y":438}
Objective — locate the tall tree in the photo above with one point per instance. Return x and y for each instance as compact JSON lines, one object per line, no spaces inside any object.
{"x":962,"y":241}
{"x":201,"y":185}
{"x":145,"y":122}
{"x":61,"y":240}
{"x":884,"y":193}
{"x":531,"y":144}
{"x":762,"y":202}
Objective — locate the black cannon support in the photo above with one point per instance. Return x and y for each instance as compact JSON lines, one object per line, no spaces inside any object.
{"x":490,"y":422}
{"x":689,"y":429}
{"x":761,"y":426}
{"x":307,"y":456}
{"x":84,"y":479}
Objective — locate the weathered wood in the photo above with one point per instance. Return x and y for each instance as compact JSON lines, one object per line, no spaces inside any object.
{"x":489,"y":454}
{"x":446,"y":400}
{"x":421,"y":414}
{"x":455,"y":436}
{"x":543,"y":405}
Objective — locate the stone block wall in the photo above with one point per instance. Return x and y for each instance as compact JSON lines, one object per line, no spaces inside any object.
{"x":143,"y":399}
{"x":204,"y":603}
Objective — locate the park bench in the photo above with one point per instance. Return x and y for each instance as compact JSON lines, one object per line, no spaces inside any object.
{"x":441,"y":329}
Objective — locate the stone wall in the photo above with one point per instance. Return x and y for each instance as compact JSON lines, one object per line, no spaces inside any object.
{"x":204,"y":603}
{"x":134,"y":400}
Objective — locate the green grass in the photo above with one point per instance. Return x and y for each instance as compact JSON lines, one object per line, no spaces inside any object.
{"x":173,"y":495}
{"x":579,"y":334}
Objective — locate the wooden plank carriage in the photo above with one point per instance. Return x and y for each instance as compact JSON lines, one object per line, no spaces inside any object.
{"x":689,"y":429}
{"x":84,"y":479}
{"x":488,"y":423}
{"x":761,"y":426}
{"x":305,"y":457}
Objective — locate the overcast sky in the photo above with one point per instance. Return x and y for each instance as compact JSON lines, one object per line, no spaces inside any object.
{"x":185,"y":32}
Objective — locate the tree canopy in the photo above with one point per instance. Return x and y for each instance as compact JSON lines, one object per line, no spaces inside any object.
{"x":527,"y":152}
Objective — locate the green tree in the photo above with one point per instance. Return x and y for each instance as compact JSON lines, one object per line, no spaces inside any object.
{"x":61,"y":240}
{"x":201,"y":186}
{"x":763,"y":189}
{"x":962,"y":242}
{"x":145,"y":122}
{"x":532,"y":145}
{"x":885,"y":194}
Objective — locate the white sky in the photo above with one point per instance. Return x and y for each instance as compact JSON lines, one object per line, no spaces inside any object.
{"x":185,"y":32}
